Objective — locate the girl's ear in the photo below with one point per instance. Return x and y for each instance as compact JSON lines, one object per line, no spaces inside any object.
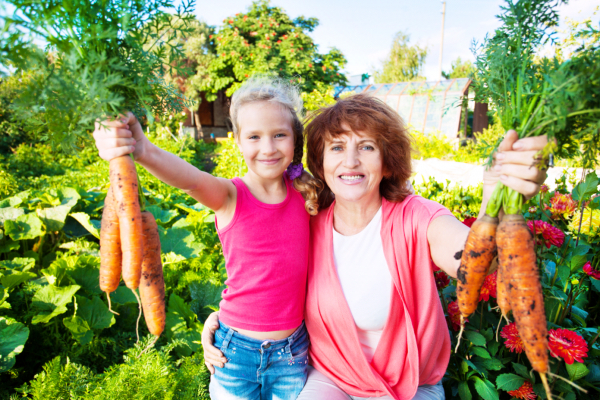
{"x":236,"y":138}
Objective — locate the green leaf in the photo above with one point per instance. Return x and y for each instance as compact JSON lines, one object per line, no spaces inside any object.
{"x":485,"y":389}
{"x":464,"y":392}
{"x":13,"y":336}
{"x":476,"y":338}
{"x":206,"y":297}
{"x":577,"y":370}
{"x":595,"y":284}
{"x":86,"y":273}
{"x":68,"y":196}
{"x":182,"y":324}
{"x":509,"y":382}
{"x":577,"y":262}
{"x":79,"y":329}
{"x":539,"y":389}
{"x":25,"y":227}
{"x":94,"y":312}
{"x":91,"y":225}
{"x":521,"y":370}
{"x":51,"y":301}
{"x":15,"y":200}
{"x":54,"y":218}
{"x":10,"y":214}
{"x":581,"y":250}
{"x":162,"y":217}
{"x":123,"y":295}
{"x":493,"y":364}
{"x":493,"y":347}
{"x":1,"y":234}
{"x":18,"y":263}
{"x":14,"y":279}
{"x":179,"y":241}
{"x":56,"y":273}
{"x":586,"y":188}
{"x":9,"y":246}
{"x":564,"y":272}
{"x":464,"y":367}
{"x":478,"y":351}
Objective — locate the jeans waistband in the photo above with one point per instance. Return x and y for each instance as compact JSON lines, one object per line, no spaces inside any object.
{"x":233,"y":337}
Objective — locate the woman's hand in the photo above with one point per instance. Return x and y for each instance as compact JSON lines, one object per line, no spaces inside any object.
{"x":212,"y":355}
{"x":120,"y":137}
{"x":515,"y":165}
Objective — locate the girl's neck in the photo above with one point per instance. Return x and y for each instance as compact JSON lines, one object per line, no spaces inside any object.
{"x":351,"y":217}
{"x":268,"y":191}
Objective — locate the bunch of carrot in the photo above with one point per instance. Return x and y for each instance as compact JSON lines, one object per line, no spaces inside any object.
{"x":130,"y":245}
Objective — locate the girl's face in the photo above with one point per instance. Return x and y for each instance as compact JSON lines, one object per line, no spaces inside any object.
{"x":353,"y":167}
{"x":266,"y":138}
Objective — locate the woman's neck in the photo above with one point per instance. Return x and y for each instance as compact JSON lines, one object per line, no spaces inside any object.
{"x":351,"y":217}
{"x":268,"y":191}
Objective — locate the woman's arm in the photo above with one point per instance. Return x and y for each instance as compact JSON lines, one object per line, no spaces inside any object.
{"x":513,"y":166}
{"x":121,"y":137}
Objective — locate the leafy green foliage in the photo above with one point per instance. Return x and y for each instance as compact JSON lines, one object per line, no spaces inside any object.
{"x":13,"y":336}
{"x":102,"y":58}
{"x":547,"y":96}
{"x":266,"y":41}
{"x":405,"y":62}
{"x":460,"y":69}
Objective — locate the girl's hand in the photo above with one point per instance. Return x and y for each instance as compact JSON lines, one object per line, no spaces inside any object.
{"x":514,"y":165}
{"x":120,"y":137}
{"x":212,"y":355}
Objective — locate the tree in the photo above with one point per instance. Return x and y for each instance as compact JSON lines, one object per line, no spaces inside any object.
{"x":405,"y":62}
{"x":266,"y":41}
{"x":460,"y":69}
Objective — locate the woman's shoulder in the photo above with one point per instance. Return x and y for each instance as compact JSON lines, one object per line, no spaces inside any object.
{"x":413,"y":208}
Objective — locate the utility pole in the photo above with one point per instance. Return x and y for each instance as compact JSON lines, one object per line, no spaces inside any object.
{"x":442,"y":39}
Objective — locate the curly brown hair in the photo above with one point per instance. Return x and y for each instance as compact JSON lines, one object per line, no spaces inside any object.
{"x":362,"y":113}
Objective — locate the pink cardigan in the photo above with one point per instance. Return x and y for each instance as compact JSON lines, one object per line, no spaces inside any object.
{"x":415,"y":345}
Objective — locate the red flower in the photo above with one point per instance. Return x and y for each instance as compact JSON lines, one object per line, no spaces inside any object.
{"x":291,"y":44}
{"x":210,"y":36}
{"x":279,"y":41}
{"x":231,"y":21}
{"x":441,"y":280}
{"x":489,"y":287}
{"x":551,"y":234}
{"x":513,"y":341}
{"x":544,"y":188}
{"x":246,"y":75}
{"x":561,"y":204}
{"x":469,"y":221}
{"x":309,"y":65}
{"x":525,"y":392}
{"x":454,"y":314}
{"x":245,"y":17}
{"x":260,"y":25}
{"x":324,"y":68}
{"x":587,"y":268}
{"x":567,"y":344}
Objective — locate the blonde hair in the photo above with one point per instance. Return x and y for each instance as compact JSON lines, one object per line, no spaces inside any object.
{"x":265,"y":88}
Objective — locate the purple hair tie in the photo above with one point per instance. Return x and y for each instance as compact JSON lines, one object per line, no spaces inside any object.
{"x":294,"y":170}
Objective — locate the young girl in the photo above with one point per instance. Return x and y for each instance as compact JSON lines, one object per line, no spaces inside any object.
{"x":263,"y":224}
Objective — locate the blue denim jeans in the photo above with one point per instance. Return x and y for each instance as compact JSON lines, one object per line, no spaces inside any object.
{"x":260,"y":370}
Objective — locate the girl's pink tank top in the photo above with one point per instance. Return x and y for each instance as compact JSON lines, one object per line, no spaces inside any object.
{"x":266,"y":255}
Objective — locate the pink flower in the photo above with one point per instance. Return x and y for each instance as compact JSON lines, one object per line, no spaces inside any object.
{"x":561,"y":204}
{"x":544,"y":188}
{"x":551,"y":234}
{"x":587,"y":268}
{"x":489,"y":287}
{"x":513,"y":341}
{"x":525,"y":392}
{"x":567,"y":344}
{"x":469,"y":221}
{"x":441,"y":280}
{"x":454,"y":314}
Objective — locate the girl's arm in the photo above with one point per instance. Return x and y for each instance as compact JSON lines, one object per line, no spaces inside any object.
{"x":125,"y":136}
{"x":513,"y":167}
{"x":212,"y":355}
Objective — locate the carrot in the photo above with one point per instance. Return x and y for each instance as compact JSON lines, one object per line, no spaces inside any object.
{"x":152,"y":285}
{"x":517,"y":257}
{"x":110,"y":247}
{"x":480,"y":250}
{"x":502,"y":295}
{"x":124,"y":183}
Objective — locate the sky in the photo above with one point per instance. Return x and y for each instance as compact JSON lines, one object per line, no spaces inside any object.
{"x":364,"y":30}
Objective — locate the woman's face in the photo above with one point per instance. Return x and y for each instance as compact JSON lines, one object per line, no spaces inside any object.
{"x":353,"y":167}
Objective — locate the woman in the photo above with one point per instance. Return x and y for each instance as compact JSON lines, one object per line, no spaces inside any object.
{"x":376,"y":324}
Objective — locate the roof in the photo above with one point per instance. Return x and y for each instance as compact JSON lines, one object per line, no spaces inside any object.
{"x":427,"y":106}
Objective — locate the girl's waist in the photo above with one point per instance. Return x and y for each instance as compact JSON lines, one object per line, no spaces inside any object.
{"x":240,"y":337}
